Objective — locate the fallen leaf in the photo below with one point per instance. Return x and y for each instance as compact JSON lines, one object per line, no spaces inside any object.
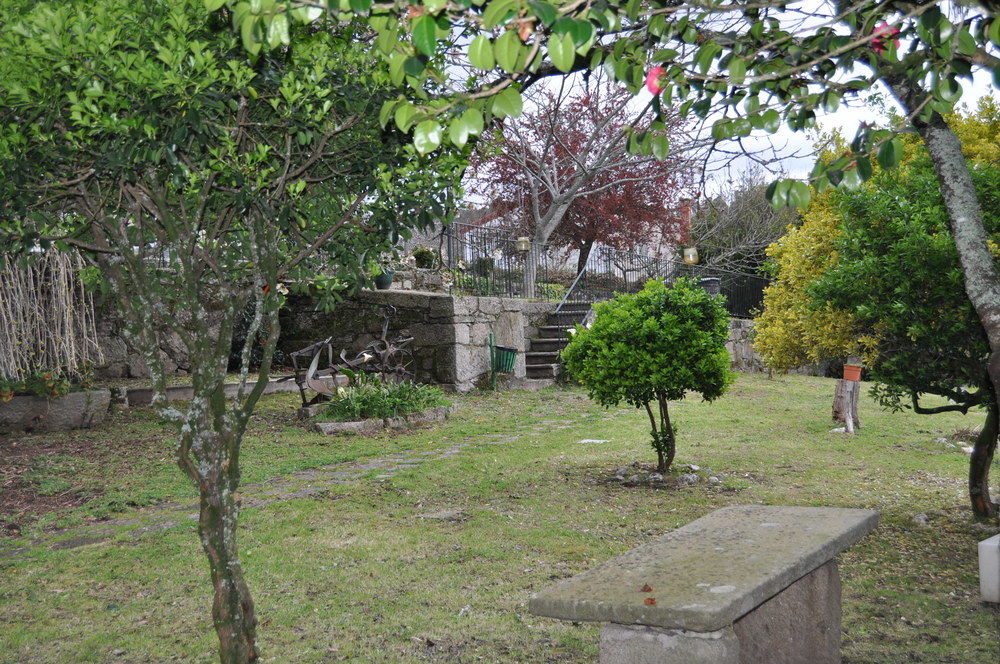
{"x":646,"y":589}
{"x":650,"y":601}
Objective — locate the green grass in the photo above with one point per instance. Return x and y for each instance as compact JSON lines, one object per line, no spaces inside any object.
{"x":356,"y":575}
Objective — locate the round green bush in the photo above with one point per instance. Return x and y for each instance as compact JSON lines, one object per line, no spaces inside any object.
{"x":653,"y":347}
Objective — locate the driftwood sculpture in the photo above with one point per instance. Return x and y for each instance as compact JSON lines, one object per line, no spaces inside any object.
{"x":389,"y":360}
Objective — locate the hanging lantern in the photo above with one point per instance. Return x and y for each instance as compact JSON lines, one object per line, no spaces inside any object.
{"x":523,"y":244}
{"x":690,"y":255}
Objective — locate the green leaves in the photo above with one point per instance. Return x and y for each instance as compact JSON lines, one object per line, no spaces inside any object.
{"x":737,"y":69}
{"x":705,"y":55}
{"x":277,"y":31}
{"x":562,"y":51}
{"x":481,"y":53}
{"x":660,"y":145}
{"x":470,"y":123}
{"x":404,"y":113}
{"x":425,"y":34}
{"x":769,"y":121}
{"x":890,"y":153}
{"x":792,"y":193}
{"x":508,"y":103}
{"x":545,"y":12}
{"x":948,"y":89}
{"x":427,"y":136}
{"x":659,"y":342}
{"x":497,"y":11}
{"x":510,"y":52}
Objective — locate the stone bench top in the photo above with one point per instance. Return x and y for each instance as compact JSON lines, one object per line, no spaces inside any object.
{"x":707,"y":574}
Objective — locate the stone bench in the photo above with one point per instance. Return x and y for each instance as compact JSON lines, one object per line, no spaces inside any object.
{"x":749,"y":584}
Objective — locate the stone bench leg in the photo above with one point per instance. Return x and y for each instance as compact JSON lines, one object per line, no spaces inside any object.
{"x":799,"y":625}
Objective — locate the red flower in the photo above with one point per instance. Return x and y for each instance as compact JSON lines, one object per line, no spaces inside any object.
{"x":654,"y":80}
{"x":884,"y":31}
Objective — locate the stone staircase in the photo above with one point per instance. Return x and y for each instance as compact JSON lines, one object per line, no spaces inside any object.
{"x":542,"y":357}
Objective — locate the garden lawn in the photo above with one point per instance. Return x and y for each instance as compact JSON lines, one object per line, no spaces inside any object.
{"x":436,"y":562}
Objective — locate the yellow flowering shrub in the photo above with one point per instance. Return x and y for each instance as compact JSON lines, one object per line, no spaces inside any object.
{"x":792,"y":331}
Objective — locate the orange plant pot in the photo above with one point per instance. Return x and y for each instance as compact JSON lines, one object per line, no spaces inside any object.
{"x":852,"y":372}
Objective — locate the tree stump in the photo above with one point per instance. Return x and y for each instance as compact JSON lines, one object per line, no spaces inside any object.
{"x":845,"y":404}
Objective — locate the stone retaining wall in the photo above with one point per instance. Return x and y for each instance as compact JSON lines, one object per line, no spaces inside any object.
{"x":449,"y":332}
{"x":745,"y":357}
{"x":740,"y":346}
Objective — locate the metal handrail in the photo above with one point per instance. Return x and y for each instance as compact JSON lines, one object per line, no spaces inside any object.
{"x":572,"y":287}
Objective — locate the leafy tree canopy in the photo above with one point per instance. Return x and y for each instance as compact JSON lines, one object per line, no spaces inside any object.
{"x":151,"y":112}
{"x":795,"y":327}
{"x":897,"y":274}
{"x":197,"y":179}
{"x":746,"y":67}
{"x":561,"y":174}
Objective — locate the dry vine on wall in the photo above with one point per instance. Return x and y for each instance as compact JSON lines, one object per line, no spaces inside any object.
{"x":47,"y":320}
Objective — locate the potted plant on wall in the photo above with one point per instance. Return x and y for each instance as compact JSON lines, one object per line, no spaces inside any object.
{"x":381,"y":272}
{"x":383,"y":279}
{"x":48,"y":345}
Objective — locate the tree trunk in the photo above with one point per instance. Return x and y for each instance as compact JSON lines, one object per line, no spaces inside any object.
{"x":545,"y":225}
{"x":209,"y":454}
{"x":965,"y":218}
{"x":581,"y":261}
{"x":530,"y":272}
{"x":845,"y":400}
{"x":667,"y":440}
{"x":232,"y":608}
{"x":979,"y":465}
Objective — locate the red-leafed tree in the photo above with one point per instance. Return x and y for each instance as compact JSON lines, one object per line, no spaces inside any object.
{"x":561,"y":173}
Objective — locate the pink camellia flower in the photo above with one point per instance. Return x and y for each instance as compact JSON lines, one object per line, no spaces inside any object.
{"x":884,"y":31}
{"x":654,"y":80}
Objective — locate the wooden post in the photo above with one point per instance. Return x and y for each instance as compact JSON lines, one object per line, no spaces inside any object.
{"x":845,"y":404}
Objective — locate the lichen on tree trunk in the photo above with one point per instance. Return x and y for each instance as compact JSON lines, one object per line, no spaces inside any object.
{"x":232,"y":606}
{"x":979,"y":464}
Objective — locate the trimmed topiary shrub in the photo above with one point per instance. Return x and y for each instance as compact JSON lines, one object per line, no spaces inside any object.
{"x":424,"y":258}
{"x":652,"y":347}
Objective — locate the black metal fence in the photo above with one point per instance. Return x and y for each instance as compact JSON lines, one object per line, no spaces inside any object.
{"x":486,"y":262}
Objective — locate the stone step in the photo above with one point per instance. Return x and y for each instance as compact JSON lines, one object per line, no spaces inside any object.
{"x":571,"y":317}
{"x":547,"y":345}
{"x":536,"y":371}
{"x":543,"y":357}
{"x":553,"y":331}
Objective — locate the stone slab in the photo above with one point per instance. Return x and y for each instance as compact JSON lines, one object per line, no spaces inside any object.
{"x":709,"y":573}
{"x":625,"y":644}
{"x":76,"y":410}
{"x":367,"y":427}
